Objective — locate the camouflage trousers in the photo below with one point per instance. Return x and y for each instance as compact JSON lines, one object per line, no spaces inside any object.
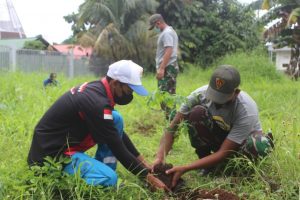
{"x":206,"y":136}
{"x":168,"y":84}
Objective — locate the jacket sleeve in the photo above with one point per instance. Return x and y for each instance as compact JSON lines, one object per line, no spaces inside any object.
{"x":101,"y":125}
{"x":130,"y":146}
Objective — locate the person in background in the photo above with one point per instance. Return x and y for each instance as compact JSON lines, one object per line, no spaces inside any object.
{"x":166,"y":58}
{"x":83,"y":117}
{"x":51,"y":81}
{"x":222,"y":121}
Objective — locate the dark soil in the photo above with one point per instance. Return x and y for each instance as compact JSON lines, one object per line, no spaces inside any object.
{"x":160,"y":172}
{"x":199,"y":194}
{"x":181,"y":192}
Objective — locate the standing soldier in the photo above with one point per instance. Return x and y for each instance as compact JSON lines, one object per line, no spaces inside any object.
{"x":166,"y":57}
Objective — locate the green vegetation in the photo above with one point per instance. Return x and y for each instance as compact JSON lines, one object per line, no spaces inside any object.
{"x":36,"y":45}
{"x":210,"y":29}
{"x":207,"y":30}
{"x":286,"y":31}
{"x":23,"y":101}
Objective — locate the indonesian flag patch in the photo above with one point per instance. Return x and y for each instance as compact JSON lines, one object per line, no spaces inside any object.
{"x":107,"y":114}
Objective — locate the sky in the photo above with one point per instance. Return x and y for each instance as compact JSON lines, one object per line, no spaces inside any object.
{"x":45,"y":17}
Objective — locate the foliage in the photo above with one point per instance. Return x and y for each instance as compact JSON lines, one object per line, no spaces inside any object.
{"x":116,"y":30}
{"x":210,"y":29}
{"x":35,"y":45}
{"x":207,"y":29}
{"x":255,"y":68}
{"x":285,"y":32}
{"x":70,"y":40}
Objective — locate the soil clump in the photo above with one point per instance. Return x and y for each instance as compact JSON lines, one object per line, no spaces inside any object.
{"x":181,"y":192}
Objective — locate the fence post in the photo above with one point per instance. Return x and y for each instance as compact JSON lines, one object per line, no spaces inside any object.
{"x":13,"y":59}
{"x":71,"y":63}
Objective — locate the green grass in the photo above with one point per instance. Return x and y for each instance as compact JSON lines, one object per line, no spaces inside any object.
{"x":23,"y":101}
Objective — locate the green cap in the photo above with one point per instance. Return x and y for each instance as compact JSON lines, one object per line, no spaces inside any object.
{"x":223,"y":83}
{"x":153,"y":19}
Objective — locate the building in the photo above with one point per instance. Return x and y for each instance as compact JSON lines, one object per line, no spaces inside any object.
{"x":18,"y":43}
{"x":283,"y":58}
{"x":78,"y":51}
{"x":10,"y":25}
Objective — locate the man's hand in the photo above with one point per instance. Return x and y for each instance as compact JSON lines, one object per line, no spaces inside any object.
{"x":157,"y":161}
{"x":160,"y":73}
{"x":145,"y":163}
{"x":156,"y":183}
{"x":177,"y":171}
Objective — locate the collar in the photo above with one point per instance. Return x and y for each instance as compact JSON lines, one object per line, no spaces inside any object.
{"x":108,"y":91}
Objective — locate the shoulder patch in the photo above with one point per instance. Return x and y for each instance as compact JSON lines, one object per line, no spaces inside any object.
{"x":107,"y":114}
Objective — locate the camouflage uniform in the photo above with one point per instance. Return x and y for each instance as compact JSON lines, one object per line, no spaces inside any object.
{"x":168,"y":84}
{"x":206,"y":136}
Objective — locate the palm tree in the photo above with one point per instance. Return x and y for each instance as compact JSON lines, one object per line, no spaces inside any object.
{"x":117,"y":29}
{"x":286,"y":30}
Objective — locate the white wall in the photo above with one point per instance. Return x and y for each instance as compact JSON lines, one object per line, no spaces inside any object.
{"x":283,"y":56}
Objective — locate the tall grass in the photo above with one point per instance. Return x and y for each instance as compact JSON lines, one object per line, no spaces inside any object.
{"x":23,"y":101}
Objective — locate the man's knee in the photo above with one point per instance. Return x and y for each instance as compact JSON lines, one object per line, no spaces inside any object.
{"x":201,"y":119}
{"x":198,"y":113}
{"x":258,"y":145}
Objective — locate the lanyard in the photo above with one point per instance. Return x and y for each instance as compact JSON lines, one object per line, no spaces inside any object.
{"x":108,"y":92}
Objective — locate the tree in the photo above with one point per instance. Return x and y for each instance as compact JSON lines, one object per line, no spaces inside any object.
{"x":286,"y":32}
{"x":116,"y":29}
{"x":35,"y":45}
{"x":209,"y":29}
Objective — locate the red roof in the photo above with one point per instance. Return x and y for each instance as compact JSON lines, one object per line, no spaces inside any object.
{"x":79,"y":51}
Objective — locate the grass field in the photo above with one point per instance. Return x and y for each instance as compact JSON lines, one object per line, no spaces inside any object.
{"x":23,"y":101}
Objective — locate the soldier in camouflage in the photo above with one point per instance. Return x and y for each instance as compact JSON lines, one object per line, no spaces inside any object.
{"x":166,"y":57}
{"x":222,"y":120}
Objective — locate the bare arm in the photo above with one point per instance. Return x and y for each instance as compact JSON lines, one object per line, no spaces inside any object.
{"x":166,"y":58}
{"x":167,"y":139}
{"x":209,"y":161}
{"x":225,"y":150}
{"x":163,"y":64}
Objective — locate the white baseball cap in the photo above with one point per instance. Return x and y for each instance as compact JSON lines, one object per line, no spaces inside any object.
{"x":128,"y":72}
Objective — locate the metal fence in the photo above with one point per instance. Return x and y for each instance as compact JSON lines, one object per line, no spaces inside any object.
{"x":26,"y":60}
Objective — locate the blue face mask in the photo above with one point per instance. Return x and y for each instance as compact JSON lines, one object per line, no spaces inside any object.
{"x":156,"y":30}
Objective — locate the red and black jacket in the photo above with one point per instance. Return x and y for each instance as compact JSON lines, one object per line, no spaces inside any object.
{"x":78,"y":120}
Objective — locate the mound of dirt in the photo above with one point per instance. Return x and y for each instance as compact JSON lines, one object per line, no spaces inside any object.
{"x":200,"y":194}
{"x":160,"y":173}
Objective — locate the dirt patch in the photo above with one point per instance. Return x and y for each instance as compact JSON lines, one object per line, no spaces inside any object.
{"x":145,"y":129}
{"x":199,"y":194}
{"x":181,"y":192}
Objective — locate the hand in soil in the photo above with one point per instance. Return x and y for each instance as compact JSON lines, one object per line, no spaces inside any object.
{"x":157,"y":165}
{"x":156,"y":183}
{"x":160,"y":172}
{"x":177,"y":172}
{"x":145,"y":163}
